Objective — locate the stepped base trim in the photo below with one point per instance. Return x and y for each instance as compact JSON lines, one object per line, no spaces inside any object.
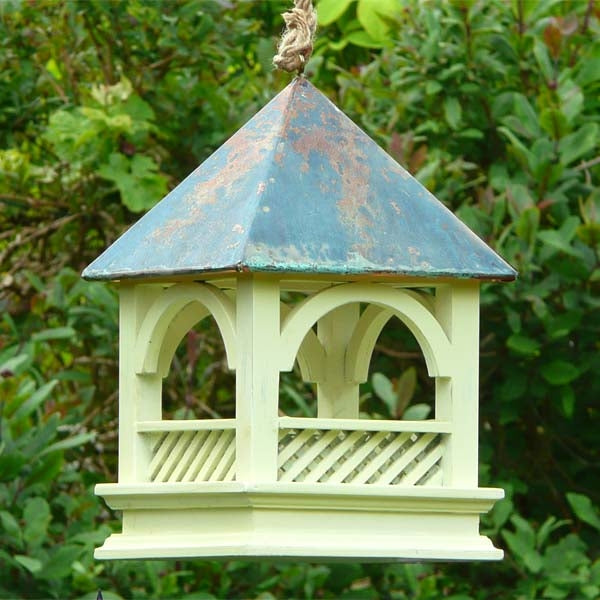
{"x":298,"y":521}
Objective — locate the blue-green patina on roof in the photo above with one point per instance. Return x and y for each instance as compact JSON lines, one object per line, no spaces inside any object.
{"x":300,"y":189}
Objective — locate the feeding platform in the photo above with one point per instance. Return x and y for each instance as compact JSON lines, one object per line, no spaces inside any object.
{"x":299,"y":199}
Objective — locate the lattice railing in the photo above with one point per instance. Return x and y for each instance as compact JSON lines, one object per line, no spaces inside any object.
{"x":192,"y":455}
{"x":360,"y":457}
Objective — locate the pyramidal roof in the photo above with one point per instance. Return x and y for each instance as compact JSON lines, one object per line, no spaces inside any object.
{"x":300,"y":189}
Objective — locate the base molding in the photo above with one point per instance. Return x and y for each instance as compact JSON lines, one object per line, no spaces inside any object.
{"x":298,"y":521}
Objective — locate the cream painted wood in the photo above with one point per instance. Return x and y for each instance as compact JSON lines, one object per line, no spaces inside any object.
{"x":457,"y":399}
{"x":308,"y":456}
{"x":367,"y":332}
{"x":257,"y":378}
{"x":308,"y":521}
{"x":330,"y":487}
{"x":365,"y":425}
{"x":423,"y":325}
{"x":186,"y":425}
{"x":337,"y":397}
{"x":288,"y":449}
{"x":193,"y":456}
{"x":185,"y":463}
{"x":139,"y":397}
{"x":378,"y":462}
{"x":422,"y":471}
{"x":397,"y":469}
{"x":358,"y":457}
{"x":311,"y":354}
{"x":165,"y":310}
{"x":363,"y":340}
{"x":179,"y":327}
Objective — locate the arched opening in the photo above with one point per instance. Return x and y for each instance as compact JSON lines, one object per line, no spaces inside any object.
{"x":370,"y":428}
{"x":393,"y":384}
{"x":199,"y":384}
{"x":398,"y":385}
{"x":352,"y":321}
{"x":187,"y":332}
{"x":297,"y":388}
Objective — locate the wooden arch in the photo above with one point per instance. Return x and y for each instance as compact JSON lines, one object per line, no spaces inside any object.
{"x":173,"y":314}
{"x":387,"y":302}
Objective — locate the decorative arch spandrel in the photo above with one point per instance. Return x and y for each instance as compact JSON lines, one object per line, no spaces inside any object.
{"x":175,"y":312}
{"x":386,"y":302}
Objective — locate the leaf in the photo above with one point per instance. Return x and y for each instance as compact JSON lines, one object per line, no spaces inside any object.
{"x":137,"y":180}
{"x":60,"y":561}
{"x":77,"y":440}
{"x":582,"y":506}
{"x":555,"y":240}
{"x":329,"y":11}
{"x":56,"y":333}
{"x":384,"y":389}
{"x":33,"y":565}
{"x":522,"y":153}
{"x":452,"y":112}
{"x":10,"y":524}
{"x":363,"y":39}
{"x":533,"y":561}
{"x":46,"y":469}
{"x":374,"y":16}
{"x":518,"y":544}
{"x":544,"y":62}
{"x":526,"y":114}
{"x":578,"y":143}
{"x":34,"y":400}
{"x":553,"y":39}
{"x":523,"y":345}
{"x":417,"y":412}
{"x":568,"y":401}
{"x":559,"y":372}
{"x":590,"y":70}
{"x":501,"y":512}
{"x":554,"y":123}
{"x":139,"y":111}
{"x":571,"y":100}
{"x":11,"y":465}
{"x":405,"y":390}
{"x":53,"y":69}
{"x":36,"y":516}
{"x":14,"y":365}
{"x":548,"y":526}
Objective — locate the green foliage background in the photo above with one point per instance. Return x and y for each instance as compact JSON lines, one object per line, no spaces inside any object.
{"x":494,"y":105}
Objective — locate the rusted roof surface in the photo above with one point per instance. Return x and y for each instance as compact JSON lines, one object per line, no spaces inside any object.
{"x":300,"y":189}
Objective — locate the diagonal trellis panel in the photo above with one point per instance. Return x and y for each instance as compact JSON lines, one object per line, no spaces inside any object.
{"x":360,"y":457}
{"x":207,"y":455}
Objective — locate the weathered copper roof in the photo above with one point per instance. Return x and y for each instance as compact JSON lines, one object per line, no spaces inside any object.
{"x":300,"y":189}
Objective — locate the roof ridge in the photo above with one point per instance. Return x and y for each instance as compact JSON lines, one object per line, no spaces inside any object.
{"x":269,"y":166}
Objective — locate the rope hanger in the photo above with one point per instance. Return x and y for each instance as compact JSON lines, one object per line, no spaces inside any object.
{"x":296,"y":44}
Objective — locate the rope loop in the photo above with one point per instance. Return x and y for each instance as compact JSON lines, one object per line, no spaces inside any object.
{"x":296,"y":44}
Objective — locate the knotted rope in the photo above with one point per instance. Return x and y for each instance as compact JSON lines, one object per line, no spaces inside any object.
{"x":296,"y":44}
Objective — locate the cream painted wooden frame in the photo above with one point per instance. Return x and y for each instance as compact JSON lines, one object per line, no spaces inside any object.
{"x":330,"y":487}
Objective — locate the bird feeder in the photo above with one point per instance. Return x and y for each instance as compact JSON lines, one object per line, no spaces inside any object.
{"x":299,"y":199}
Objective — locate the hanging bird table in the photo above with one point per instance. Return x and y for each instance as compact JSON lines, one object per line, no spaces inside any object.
{"x":299,"y":199}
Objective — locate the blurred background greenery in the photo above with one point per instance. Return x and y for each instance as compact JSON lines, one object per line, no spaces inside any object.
{"x":494,"y":105}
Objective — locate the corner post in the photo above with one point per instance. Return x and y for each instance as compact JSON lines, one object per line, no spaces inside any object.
{"x":139,"y":395}
{"x":457,"y":397}
{"x":257,"y":379}
{"x":337,"y":397}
